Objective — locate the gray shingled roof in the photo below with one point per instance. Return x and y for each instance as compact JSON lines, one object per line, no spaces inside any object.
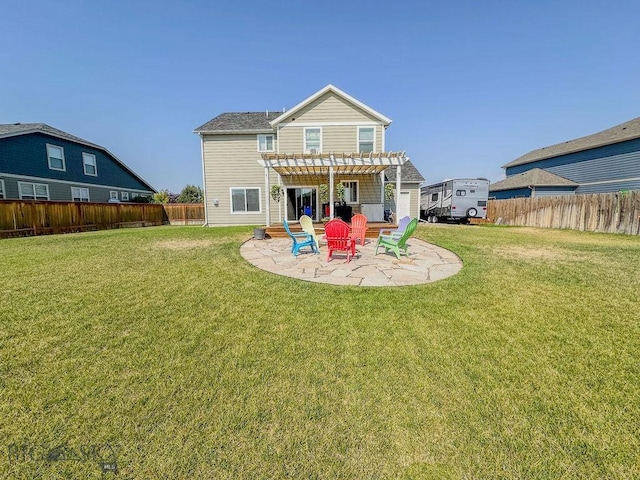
{"x":8,"y":129}
{"x":234,"y":122}
{"x":409,"y":173}
{"x":625,"y":131}
{"x":536,"y":177}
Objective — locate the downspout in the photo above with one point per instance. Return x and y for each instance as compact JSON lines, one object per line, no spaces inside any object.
{"x":204,"y":181}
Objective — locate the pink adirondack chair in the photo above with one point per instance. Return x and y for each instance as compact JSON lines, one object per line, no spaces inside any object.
{"x":358,"y":227}
{"x":338,"y":238}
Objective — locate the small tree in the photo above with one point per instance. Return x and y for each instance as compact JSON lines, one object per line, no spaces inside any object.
{"x":277,"y":192}
{"x":339,"y":191}
{"x":191,"y":194}
{"x":161,"y":197}
{"x":323,"y":192}
{"x":388,"y":192}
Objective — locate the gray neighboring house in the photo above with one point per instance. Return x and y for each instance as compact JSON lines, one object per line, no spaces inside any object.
{"x":39,"y":162}
{"x":607,"y":161}
{"x":328,"y":138}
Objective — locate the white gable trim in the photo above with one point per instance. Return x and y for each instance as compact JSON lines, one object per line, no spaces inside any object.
{"x":337,"y":91}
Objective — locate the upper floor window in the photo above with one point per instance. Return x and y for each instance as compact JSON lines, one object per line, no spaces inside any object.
{"x":79,"y":194}
{"x":89,"y":164}
{"x":350,"y":191}
{"x":2,"y":194}
{"x":245,"y":200}
{"x":33,"y":191}
{"x":56,"y":157}
{"x":312,"y":140}
{"x":265,"y":143}
{"x":366,"y":137}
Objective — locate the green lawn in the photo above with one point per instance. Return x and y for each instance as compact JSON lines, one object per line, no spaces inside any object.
{"x":164,"y":353}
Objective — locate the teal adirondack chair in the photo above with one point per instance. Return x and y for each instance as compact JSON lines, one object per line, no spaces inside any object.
{"x":300,"y":240}
{"x":397,"y":241}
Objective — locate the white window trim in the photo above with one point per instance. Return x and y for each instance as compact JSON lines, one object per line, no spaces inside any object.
{"x":231,"y":189}
{"x":113,"y":195}
{"x":84,"y":164}
{"x":357,"y":182}
{"x":358,"y":137}
{"x":273,"y":142}
{"x":80,"y":196}
{"x":124,"y":196}
{"x":304,"y":138}
{"x":64,"y":163}
{"x":3,"y":193}
{"x":34,"y":189}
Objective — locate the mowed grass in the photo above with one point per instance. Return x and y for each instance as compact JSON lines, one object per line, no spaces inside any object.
{"x":175,"y":358}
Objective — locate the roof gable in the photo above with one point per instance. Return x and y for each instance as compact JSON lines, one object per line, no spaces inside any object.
{"x":620,"y":133}
{"x":336,"y":91}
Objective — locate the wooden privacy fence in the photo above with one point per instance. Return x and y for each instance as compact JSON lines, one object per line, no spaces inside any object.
{"x":617,"y":212}
{"x":20,"y":217}
{"x":185,"y":213}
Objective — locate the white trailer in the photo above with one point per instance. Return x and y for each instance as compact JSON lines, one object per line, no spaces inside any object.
{"x":458,"y":199}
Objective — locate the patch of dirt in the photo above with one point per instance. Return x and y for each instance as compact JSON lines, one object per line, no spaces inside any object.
{"x":532,"y":253}
{"x":182,"y":244}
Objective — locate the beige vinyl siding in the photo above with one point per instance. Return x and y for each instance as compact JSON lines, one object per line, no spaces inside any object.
{"x":232,"y":161}
{"x":334,"y":108}
{"x":414,"y":199}
{"x":335,"y":138}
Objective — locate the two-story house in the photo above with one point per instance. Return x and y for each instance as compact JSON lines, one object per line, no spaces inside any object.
{"x":39,"y":162}
{"x":328,"y":139}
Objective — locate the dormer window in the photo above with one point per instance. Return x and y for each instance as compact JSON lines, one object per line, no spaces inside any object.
{"x":55,"y":155}
{"x":265,"y":143}
{"x":312,"y":140}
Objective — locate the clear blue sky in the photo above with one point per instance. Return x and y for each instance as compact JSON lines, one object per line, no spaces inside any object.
{"x":469,"y":85}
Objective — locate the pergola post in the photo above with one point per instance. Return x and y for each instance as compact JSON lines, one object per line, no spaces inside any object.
{"x":267,"y":195}
{"x":331,"y":207}
{"x":398,"y":186}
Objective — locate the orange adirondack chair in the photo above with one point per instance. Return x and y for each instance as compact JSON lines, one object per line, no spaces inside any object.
{"x":358,"y":227}
{"x":338,"y":238}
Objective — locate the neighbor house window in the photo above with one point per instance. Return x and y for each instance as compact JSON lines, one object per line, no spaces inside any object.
{"x":113,"y":195}
{"x":312,"y":140}
{"x":365,"y":139}
{"x":124,"y":196}
{"x":245,"y":200}
{"x":56,"y":157}
{"x":2,"y":195}
{"x":33,"y":191}
{"x":265,"y":143}
{"x":79,"y":194}
{"x":89,"y":163}
{"x":350,"y":192}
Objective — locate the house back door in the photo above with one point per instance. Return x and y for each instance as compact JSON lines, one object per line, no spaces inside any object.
{"x":301,"y":201}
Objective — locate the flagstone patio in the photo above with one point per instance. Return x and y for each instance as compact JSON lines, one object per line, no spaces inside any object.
{"x":425,"y":263}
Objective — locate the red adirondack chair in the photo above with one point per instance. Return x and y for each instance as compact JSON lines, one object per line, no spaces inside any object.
{"x":338,"y":238}
{"x":358,"y":227}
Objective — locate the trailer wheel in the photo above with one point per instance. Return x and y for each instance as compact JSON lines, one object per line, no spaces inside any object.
{"x":472,"y":212}
{"x":434,"y":219}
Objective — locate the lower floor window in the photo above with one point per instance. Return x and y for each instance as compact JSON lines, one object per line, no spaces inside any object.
{"x":113,"y":195}
{"x":33,"y":191}
{"x":244,"y":200}
{"x":124,"y":196}
{"x":2,"y":195}
{"x":80,"y":194}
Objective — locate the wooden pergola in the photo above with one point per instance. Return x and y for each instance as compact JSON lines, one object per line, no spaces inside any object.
{"x":328,"y":165}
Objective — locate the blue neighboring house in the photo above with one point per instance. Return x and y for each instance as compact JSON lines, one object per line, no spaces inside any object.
{"x":39,"y":162}
{"x":608,"y":161}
